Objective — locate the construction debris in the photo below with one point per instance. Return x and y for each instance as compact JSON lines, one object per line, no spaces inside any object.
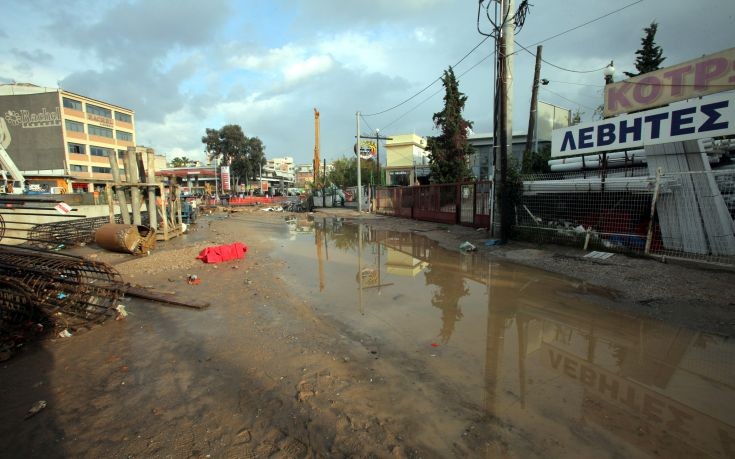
{"x":135,"y":239}
{"x":49,"y":291}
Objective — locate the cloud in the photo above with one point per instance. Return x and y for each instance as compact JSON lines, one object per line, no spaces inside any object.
{"x":423,"y":35}
{"x":36,"y":56}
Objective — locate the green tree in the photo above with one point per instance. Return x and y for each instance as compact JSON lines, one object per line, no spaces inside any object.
{"x":344,"y":172}
{"x":537,"y":162}
{"x":450,"y":150}
{"x":576,"y":117}
{"x":230,"y":145}
{"x":181,"y":162}
{"x":650,"y":55}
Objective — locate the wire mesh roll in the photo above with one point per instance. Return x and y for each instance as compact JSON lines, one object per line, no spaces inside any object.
{"x":83,"y":291}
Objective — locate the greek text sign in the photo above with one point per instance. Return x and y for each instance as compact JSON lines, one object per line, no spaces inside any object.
{"x":698,"y":77}
{"x":698,"y":118}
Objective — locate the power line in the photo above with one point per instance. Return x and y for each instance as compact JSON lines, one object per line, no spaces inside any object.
{"x":430,"y":84}
{"x":435,"y":93}
{"x":565,"y":98}
{"x":578,"y":84}
{"x":557,"y":66}
{"x":586,"y":23}
{"x":485,"y":58}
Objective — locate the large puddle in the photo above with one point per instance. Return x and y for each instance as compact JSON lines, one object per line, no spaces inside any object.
{"x":537,"y":351}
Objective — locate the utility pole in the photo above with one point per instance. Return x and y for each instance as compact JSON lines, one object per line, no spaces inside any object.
{"x":531,"y":134}
{"x":502,"y":120}
{"x":377,"y":149}
{"x":502,"y":31}
{"x":359,"y":175}
{"x":506,"y":37}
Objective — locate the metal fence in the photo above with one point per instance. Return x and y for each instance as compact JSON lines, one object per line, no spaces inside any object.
{"x":454,"y":203}
{"x":686,"y":215}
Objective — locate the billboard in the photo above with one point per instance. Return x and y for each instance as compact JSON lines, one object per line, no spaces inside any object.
{"x":694,"y":78}
{"x":548,"y":118}
{"x":34,"y":134}
{"x":225,"y":176}
{"x":694,"y":119}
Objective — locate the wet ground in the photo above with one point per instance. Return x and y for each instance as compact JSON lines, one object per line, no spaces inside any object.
{"x":340,"y":339}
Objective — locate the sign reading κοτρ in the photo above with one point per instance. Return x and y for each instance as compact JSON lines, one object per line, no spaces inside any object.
{"x":695,"y":119}
{"x":694,"y":78}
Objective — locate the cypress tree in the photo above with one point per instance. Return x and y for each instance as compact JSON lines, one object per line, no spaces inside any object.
{"x":650,"y":55}
{"x":449,"y":151}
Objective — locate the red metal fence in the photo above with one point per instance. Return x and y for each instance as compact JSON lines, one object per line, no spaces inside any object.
{"x":460,"y":203}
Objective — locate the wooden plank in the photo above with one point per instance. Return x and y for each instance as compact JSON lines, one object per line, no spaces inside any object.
{"x":140,"y":292}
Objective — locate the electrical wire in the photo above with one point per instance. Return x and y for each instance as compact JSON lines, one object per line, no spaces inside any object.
{"x":481,"y":42}
{"x":577,"y":84}
{"x":366,"y":122}
{"x":587,"y":23}
{"x":557,"y":66}
{"x":567,"y":99}
{"x":430,"y":84}
{"x":435,"y":93}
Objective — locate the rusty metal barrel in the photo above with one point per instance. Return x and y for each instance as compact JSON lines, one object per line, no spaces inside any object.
{"x":135,"y":239}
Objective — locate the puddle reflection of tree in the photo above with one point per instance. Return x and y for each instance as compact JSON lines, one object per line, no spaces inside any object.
{"x":451,"y":287}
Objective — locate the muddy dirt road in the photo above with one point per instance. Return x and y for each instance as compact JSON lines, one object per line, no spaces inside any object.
{"x":335,"y":338}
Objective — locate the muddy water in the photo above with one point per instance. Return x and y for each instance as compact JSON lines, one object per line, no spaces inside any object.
{"x":513,"y":360}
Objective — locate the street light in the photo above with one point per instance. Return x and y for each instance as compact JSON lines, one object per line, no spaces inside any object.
{"x":609,"y":72}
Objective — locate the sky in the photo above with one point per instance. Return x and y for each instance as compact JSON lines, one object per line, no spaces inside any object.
{"x":185,"y":65}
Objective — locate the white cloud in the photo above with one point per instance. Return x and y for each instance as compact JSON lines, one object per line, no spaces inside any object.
{"x":308,"y":67}
{"x":291,"y":63}
{"x":423,"y":35}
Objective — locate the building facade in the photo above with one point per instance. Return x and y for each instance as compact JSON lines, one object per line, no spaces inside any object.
{"x":62,"y":136}
{"x":303,"y":175}
{"x":406,"y":160}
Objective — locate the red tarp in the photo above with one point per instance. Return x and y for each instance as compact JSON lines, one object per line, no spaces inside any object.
{"x":221,"y":253}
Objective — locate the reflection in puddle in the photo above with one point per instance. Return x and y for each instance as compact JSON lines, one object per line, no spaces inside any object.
{"x":536,"y":350}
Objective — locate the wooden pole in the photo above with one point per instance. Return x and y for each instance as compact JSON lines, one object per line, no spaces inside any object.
{"x":121,"y":199}
{"x":152,"y":214}
{"x":131,"y":168}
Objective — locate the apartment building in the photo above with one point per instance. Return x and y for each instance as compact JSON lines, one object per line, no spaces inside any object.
{"x":62,"y":136}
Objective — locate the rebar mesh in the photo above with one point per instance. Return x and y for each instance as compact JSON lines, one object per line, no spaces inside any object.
{"x":55,"y":289}
{"x":71,"y":232}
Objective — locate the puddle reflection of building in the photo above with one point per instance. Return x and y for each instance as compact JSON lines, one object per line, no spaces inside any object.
{"x":410,"y":254}
{"x":659,"y":390}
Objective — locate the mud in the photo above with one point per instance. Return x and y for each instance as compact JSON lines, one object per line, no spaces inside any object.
{"x":438,"y":354}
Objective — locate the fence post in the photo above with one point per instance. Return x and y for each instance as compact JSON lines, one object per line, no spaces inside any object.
{"x":474,"y":203}
{"x":649,"y":237}
{"x":457,"y":203}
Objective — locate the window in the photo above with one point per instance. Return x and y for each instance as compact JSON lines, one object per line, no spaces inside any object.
{"x":120,"y":153}
{"x":74,"y":126}
{"x":101,"y":170}
{"x":77,"y":168}
{"x":99,"y":151}
{"x":99,"y":111}
{"x":124,"y":117}
{"x":76,"y":148}
{"x":122,"y":135}
{"x":99,"y":131}
{"x":73,"y":104}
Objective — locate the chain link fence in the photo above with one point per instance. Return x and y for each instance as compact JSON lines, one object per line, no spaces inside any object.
{"x":687,"y":215}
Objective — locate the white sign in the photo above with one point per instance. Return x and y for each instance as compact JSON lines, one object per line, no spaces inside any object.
{"x":225,"y":173}
{"x":62,"y":208}
{"x":694,"y":119}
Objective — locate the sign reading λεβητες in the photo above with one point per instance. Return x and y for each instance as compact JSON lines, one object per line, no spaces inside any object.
{"x":711,"y":116}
